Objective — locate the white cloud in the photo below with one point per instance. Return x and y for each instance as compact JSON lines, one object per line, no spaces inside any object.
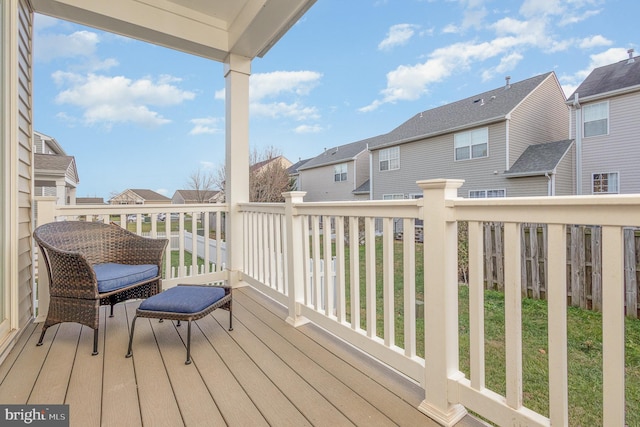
{"x":398,"y":35}
{"x":108,"y":100}
{"x":507,"y":63}
{"x":276,"y":110}
{"x":595,"y":41}
{"x":51,"y":46}
{"x":308,"y":129}
{"x":277,"y":83}
{"x":206,"y":125}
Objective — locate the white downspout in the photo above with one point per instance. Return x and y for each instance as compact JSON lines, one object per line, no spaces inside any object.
{"x":578,"y":107}
{"x":507,"y":165}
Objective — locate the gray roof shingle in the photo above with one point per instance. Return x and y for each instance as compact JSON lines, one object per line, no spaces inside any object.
{"x":539,"y":159}
{"x":336,"y":155}
{"x":486,"y":107}
{"x":612,"y":77}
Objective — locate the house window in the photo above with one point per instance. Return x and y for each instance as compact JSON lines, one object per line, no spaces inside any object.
{"x":596,"y":119}
{"x":390,"y":159}
{"x":340,"y":172}
{"x":604,"y":183}
{"x":471,"y":144}
{"x":397,"y":196}
{"x":486,"y":194}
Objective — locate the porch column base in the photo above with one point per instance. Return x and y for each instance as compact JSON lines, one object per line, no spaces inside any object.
{"x":296,"y":321}
{"x":449,"y":418}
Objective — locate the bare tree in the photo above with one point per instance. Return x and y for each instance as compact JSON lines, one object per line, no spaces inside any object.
{"x":268,"y":177}
{"x":203,"y":183}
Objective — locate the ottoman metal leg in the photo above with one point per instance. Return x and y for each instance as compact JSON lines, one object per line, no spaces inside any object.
{"x":188,"y":362}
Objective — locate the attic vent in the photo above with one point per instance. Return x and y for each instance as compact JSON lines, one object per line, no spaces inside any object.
{"x":508,"y":84}
{"x":631,"y":60}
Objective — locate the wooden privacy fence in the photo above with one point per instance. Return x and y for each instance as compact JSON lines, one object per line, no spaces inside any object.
{"x":584,"y":264}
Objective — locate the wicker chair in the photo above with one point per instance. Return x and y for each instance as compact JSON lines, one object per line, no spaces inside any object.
{"x":90,"y":264}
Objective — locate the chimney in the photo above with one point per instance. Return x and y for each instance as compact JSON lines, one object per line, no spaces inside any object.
{"x":630,"y":60}
{"x":507,"y":85}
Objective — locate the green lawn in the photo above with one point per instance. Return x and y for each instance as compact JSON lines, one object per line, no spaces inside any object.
{"x":584,"y":331}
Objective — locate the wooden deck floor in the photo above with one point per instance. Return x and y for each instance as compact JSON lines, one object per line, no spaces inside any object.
{"x":264,"y":372}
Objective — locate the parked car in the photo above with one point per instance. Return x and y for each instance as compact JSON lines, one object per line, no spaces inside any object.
{"x":162,"y":216}
{"x":132,"y":217}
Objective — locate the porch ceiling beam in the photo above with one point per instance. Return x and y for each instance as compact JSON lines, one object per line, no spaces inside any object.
{"x":209,"y":29}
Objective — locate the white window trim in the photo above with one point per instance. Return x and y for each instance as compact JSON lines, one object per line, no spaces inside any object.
{"x":393,"y":196}
{"x":389,"y":150}
{"x":486,"y":129}
{"x":608,"y":192}
{"x":486,"y":191}
{"x":342,"y":166}
{"x":608,"y":120}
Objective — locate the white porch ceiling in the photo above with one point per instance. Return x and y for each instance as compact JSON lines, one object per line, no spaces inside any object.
{"x":209,"y":28}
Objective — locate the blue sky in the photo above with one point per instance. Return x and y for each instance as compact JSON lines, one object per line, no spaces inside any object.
{"x":136,"y":115}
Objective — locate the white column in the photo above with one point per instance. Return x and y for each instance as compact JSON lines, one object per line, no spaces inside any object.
{"x":61,"y":192}
{"x":440,"y":302}
{"x":237,"y":70}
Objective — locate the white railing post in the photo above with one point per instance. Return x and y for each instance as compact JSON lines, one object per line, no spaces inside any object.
{"x":46,"y":213}
{"x":440,"y":302}
{"x":295,"y":260}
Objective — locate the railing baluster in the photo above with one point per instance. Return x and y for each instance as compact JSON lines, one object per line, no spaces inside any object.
{"x":557,"y":321}
{"x":613,"y":343}
{"x":513,"y":314}
{"x":354,"y":271}
{"x":476,"y":305}
{"x":370,"y":268}
{"x":388,"y":284}
{"x":409,"y":282}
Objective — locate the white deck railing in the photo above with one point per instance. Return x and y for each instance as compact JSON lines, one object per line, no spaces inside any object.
{"x":337,"y":264}
{"x":286,"y":246}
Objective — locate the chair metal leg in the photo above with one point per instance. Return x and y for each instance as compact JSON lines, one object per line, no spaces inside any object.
{"x":44,"y":329}
{"x":188,"y":362}
{"x":133,"y":326}
{"x":230,"y":317}
{"x":95,"y":342}
{"x":111,"y":314}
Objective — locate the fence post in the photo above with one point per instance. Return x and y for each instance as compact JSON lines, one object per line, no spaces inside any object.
{"x":440,"y":302}
{"x":294,"y":253}
{"x":46,"y":213}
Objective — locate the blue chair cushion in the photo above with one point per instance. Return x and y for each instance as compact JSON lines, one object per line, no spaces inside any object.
{"x":183,"y":299}
{"x":113,"y":276}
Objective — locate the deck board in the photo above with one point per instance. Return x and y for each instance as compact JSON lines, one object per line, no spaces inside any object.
{"x":264,"y":372}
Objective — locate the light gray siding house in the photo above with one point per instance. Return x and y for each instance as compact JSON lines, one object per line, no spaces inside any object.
{"x":55,"y":173}
{"x":338,"y":174}
{"x":605,"y":123}
{"x":480,"y":139}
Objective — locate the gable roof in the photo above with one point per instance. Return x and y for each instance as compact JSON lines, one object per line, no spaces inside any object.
{"x":364,"y":188}
{"x":193,"y":196}
{"x":339,"y":154}
{"x":146,"y":195}
{"x":294,"y":168}
{"x":54,"y":164}
{"x":539,"y":159}
{"x":610,"y":79}
{"x":483,"y":108}
{"x":89,"y":201}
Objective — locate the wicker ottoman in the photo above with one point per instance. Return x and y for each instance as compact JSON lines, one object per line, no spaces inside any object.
{"x":184,"y":302}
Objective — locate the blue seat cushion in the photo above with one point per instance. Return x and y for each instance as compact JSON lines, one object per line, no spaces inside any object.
{"x":113,"y":276}
{"x":183,"y":299}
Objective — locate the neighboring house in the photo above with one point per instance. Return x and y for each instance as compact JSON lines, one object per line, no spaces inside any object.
{"x":139,"y":197}
{"x":294,"y":173}
{"x":338,"y":174}
{"x":605,"y":125}
{"x":55,"y":173}
{"x":482,"y":139}
{"x":259,"y":167}
{"x":181,"y":197}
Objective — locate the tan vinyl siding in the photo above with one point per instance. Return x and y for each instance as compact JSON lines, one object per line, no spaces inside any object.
{"x":565,"y":173}
{"x":528,"y":186}
{"x":620,"y":150}
{"x":362,"y":168}
{"x":541,"y":117}
{"x":320,"y":185}
{"x":25,"y":166}
{"x":434,"y":158}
